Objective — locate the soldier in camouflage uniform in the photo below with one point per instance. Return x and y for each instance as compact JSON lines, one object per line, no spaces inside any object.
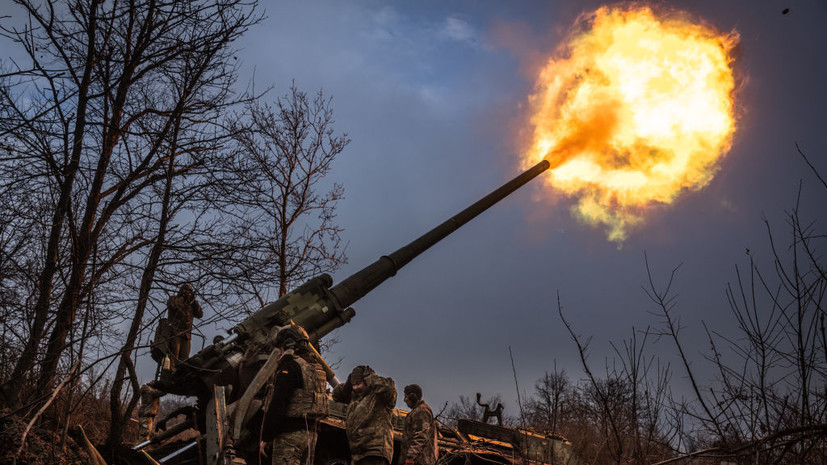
{"x":150,"y":404}
{"x":368,"y":423}
{"x":419,"y":446}
{"x":182,"y":308}
{"x":297,"y":403}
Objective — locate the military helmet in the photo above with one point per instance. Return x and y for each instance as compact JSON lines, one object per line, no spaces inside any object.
{"x":359,"y":373}
{"x":291,"y":335}
{"x":414,"y":389}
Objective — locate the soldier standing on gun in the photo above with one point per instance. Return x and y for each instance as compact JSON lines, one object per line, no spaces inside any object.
{"x":182,"y":308}
{"x":419,"y":439}
{"x":297,"y":403}
{"x":370,"y":400}
{"x":150,"y":403}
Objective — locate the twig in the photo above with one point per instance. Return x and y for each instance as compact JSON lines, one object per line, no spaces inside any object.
{"x":441,"y":411}
{"x":43,"y":409}
{"x":517,"y":386}
{"x":807,"y":160}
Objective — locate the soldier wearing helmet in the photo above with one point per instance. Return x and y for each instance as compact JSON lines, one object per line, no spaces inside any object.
{"x":297,"y":402}
{"x":368,"y":419}
{"x":419,"y":445}
{"x":182,"y":308}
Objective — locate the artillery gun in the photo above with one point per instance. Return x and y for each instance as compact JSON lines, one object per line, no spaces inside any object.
{"x":224,"y":403}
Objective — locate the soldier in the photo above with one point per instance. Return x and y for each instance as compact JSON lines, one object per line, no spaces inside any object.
{"x":419,"y":439}
{"x":182,"y":308}
{"x":370,"y":400}
{"x":297,"y":403}
{"x":150,"y":403}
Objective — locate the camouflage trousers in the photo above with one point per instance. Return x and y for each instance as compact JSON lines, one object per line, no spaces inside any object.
{"x":178,"y":348}
{"x":150,"y":403}
{"x":145,"y":427}
{"x":294,"y":448}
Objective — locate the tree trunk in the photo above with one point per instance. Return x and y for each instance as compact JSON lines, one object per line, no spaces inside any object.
{"x":11,"y":391}
{"x":116,"y":429}
{"x":88,"y":231}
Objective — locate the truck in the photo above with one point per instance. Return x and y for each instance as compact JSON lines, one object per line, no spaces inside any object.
{"x":217,"y":422}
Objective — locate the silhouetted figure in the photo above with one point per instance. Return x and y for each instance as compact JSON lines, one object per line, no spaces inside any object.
{"x":488,"y":413}
{"x":181,"y":310}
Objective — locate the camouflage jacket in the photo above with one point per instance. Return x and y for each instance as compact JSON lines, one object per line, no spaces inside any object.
{"x":181,"y":313}
{"x":368,"y":418}
{"x":419,"y":437}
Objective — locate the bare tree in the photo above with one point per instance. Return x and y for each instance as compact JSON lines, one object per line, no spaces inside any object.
{"x":283,"y":155}
{"x":551,"y":409}
{"x":122,"y":184}
{"x":617,"y":416}
{"x":767,"y":403}
{"x":200,"y":77}
{"x":93,"y":131}
{"x":553,"y":396}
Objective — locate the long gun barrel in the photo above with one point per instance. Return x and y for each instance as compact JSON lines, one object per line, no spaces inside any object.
{"x":360,"y":283}
{"x":318,"y":307}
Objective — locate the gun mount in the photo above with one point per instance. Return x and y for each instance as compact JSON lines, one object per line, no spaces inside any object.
{"x":317,"y":306}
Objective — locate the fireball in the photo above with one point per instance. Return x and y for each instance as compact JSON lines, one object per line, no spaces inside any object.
{"x":633,"y":111}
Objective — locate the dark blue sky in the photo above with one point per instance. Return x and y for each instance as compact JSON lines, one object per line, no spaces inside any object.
{"x":433,"y":95}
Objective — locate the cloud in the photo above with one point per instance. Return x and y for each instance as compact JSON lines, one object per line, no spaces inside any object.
{"x":459,"y":30}
{"x":383,"y":24}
